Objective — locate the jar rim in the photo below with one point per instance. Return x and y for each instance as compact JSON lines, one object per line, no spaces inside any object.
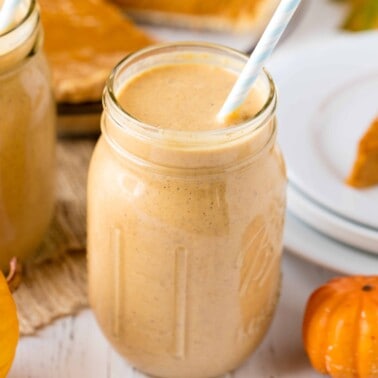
{"x":127,"y":122}
{"x":21,"y":40}
{"x":32,"y":6}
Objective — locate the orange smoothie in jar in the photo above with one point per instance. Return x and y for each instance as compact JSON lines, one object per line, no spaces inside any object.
{"x":185,"y":214}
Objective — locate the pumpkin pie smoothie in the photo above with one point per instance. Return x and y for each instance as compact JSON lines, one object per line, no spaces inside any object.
{"x":27,"y":141}
{"x":185,"y":214}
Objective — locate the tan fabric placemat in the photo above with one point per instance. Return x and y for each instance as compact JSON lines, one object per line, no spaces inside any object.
{"x":54,"y":283}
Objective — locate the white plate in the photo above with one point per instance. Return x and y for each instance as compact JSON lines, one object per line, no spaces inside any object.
{"x":305,"y":242}
{"x":328,"y":96}
{"x":330,"y":224}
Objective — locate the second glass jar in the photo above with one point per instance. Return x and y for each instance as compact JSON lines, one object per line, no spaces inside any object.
{"x":27,"y":138}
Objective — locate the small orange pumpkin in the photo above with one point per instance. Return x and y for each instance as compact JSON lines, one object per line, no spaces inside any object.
{"x":8,"y":327}
{"x":340,"y":327}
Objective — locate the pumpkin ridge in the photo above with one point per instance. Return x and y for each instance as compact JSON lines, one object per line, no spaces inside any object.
{"x":322,"y":299}
{"x":368,"y":343}
{"x":358,"y":326}
{"x":332,"y":355}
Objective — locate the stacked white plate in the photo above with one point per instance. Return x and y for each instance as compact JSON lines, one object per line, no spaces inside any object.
{"x":328,"y":96}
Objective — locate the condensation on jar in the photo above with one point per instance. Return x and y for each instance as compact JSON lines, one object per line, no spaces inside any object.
{"x":185,"y":229}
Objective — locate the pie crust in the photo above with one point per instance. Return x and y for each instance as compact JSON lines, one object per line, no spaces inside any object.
{"x":84,"y":40}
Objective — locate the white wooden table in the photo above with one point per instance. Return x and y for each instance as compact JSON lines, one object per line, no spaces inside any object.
{"x":73,"y":347}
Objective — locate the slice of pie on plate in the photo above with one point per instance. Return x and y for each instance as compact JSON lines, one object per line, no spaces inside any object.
{"x":225,"y":15}
{"x":84,"y":40}
{"x":365,"y":169}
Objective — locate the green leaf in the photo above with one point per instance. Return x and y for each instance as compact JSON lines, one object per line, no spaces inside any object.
{"x":363,"y":15}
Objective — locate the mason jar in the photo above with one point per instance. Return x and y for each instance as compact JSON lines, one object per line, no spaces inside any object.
{"x":27,"y":137}
{"x":185,"y":228}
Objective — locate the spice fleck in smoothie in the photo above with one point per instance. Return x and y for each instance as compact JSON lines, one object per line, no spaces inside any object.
{"x":185,"y":214}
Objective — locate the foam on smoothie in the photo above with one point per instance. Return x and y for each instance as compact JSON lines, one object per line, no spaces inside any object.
{"x":184,"y":97}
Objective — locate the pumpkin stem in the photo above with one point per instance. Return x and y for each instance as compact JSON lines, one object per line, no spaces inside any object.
{"x":14,"y":275}
{"x":367,"y":287}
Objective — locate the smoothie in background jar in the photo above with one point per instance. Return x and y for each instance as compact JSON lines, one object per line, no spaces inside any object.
{"x":185,"y":215}
{"x":27,"y":138}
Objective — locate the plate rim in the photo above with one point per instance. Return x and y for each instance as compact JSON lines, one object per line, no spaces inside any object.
{"x":346,"y":256}
{"x":323,"y":220}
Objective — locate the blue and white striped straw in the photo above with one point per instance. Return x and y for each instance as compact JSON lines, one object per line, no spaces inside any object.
{"x":8,"y":14}
{"x":260,"y":54}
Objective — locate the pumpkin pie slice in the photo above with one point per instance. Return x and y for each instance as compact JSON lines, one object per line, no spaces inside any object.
{"x":84,"y":39}
{"x":228,"y":15}
{"x":365,"y":170}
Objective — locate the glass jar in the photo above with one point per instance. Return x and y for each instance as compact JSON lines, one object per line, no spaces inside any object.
{"x":185,"y":229}
{"x":27,"y":138}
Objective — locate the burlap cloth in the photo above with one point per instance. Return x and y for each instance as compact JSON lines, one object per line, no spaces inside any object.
{"x":54,"y":282}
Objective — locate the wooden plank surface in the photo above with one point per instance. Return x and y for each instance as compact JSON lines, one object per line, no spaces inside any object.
{"x":74,"y":347}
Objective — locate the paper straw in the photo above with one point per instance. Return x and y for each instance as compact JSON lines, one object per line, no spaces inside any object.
{"x":260,"y":54}
{"x":7,"y":13}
